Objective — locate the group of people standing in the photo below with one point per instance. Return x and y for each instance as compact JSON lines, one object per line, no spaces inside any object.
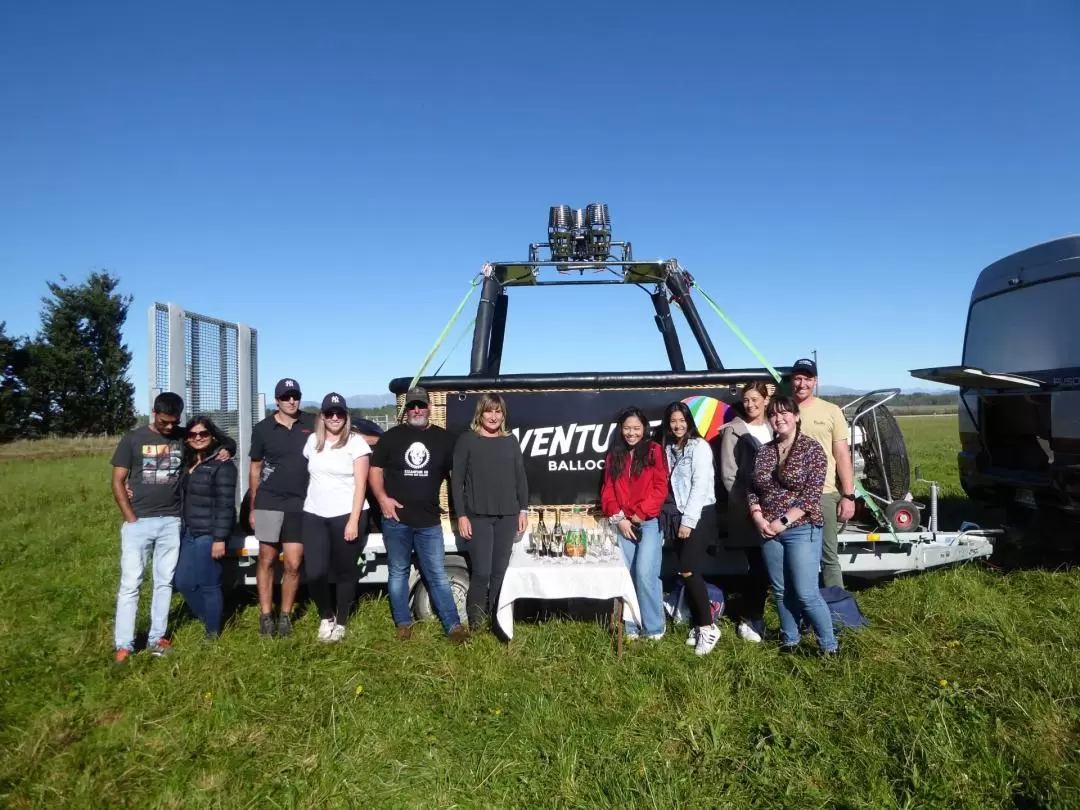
{"x":312,"y":475}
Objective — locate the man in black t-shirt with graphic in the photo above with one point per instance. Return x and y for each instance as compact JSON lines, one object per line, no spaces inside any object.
{"x":408,"y":466}
{"x":277,"y":485}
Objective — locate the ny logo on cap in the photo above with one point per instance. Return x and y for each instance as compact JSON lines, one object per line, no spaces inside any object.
{"x":335,"y":399}
{"x":290,"y":383}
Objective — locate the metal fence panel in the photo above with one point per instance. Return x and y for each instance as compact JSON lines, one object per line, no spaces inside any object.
{"x":213,"y":365}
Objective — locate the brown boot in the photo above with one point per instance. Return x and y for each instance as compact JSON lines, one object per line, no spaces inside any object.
{"x":404,"y":632}
{"x":459,"y":635}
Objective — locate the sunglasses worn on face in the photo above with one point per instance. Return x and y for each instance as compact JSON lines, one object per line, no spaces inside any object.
{"x":289,"y":398}
{"x":416,"y":406}
{"x":198,"y":434}
{"x":333,"y":415}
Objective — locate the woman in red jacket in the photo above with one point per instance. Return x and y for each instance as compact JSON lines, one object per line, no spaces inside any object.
{"x":635,"y":486}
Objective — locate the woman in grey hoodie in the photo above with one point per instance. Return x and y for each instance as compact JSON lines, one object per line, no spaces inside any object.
{"x":739,"y":444}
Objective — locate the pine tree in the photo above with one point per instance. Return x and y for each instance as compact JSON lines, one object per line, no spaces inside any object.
{"x":15,"y":420}
{"x":78,"y":365}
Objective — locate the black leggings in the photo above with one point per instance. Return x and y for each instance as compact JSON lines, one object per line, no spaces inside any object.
{"x":489,"y":554}
{"x":328,"y":558}
{"x":757,"y":586}
{"x":692,"y":553}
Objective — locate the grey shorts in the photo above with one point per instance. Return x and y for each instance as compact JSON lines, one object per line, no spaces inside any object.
{"x":273,"y":527}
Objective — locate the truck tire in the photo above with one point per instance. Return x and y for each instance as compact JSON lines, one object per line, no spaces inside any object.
{"x":458,"y":575}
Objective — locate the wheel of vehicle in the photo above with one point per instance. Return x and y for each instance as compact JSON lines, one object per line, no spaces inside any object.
{"x":903,"y":516}
{"x":459,"y":587}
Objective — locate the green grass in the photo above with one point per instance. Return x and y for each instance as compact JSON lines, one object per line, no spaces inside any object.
{"x":963,"y":693}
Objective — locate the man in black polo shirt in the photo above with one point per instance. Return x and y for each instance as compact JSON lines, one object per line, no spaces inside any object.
{"x":278,"y":484}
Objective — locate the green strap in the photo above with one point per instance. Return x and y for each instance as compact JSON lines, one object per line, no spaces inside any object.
{"x":442,"y":336}
{"x":738,"y":333}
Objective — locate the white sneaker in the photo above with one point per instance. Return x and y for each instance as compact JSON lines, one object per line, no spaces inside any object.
{"x":338,"y":633}
{"x":326,"y":629}
{"x":654,"y":636}
{"x":748,"y":633}
{"x":691,"y":638}
{"x":707,"y":638}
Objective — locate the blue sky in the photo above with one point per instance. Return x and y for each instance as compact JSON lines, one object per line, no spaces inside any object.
{"x":334,"y":174}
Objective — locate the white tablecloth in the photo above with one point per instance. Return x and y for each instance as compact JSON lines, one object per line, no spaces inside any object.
{"x":546,"y":578}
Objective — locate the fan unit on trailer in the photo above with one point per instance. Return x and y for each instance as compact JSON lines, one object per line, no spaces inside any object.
{"x":880,"y":460}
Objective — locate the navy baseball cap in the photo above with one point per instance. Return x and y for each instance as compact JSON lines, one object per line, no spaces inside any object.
{"x":333,"y":402}
{"x":805,"y":366}
{"x":286,"y":386}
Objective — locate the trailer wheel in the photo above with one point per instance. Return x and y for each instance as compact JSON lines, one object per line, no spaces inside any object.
{"x":903,"y":516}
{"x":459,"y":587}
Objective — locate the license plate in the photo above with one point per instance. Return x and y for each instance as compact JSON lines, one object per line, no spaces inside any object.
{"x":1025,"y":497}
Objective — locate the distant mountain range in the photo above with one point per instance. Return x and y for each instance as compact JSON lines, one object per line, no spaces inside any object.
{"x":841,"y":391}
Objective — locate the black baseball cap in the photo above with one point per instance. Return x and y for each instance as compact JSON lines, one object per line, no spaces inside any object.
{"x":417,"y":394}
{"x":333,"y":402}
{"x":805,"y":366}
{"x":286,"y":386}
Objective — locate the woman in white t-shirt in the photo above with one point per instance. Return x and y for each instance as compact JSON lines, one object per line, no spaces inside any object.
{"x":334,"y":533}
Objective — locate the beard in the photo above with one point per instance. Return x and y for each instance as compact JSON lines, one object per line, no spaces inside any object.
{"x":419,"y":420}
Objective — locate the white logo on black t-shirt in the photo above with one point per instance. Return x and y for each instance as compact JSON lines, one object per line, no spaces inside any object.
{"x":418,"y":456}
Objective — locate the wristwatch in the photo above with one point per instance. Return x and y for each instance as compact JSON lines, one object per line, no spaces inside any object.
{"x":850,"y":497}
{"x":783,"y":520}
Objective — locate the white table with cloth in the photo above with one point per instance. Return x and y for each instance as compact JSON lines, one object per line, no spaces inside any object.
{"x":531,"y":577}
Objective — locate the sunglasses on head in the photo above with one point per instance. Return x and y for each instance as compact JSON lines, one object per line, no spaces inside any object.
{"x":198,"y":434}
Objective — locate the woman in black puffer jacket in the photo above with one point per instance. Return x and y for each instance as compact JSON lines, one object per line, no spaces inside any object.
{"x":209,"y":513}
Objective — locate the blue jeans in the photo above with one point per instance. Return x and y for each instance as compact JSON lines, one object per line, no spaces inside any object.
{"x":792,"y":559}
{"x":198,"y":578}
{"x":643,"y":558}
{"x":160,"y":535}
{"x":401,"y":541}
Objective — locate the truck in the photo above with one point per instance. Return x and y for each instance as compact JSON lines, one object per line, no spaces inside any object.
{"x":1019,"y":384}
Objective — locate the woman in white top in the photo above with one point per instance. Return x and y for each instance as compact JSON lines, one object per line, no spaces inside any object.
{"x":739,"y":444}
{"x":333,"y":530}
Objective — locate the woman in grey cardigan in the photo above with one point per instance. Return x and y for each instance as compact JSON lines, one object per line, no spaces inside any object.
{"x":491,"y":498}
{"x":739,"y":443}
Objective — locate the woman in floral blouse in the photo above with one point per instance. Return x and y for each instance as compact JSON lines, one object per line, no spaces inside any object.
{"x":785,"y":507}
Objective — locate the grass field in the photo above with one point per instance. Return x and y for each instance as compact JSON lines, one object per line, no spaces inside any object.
{"x":963,"y":693}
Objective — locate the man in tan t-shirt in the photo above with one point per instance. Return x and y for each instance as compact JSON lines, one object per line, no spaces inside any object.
{"x":825,"y":422}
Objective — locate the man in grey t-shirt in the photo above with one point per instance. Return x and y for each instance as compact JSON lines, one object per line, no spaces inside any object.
{"x":147,"y":462}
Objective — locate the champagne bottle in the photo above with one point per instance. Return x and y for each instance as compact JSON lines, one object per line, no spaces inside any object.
{"x":558,"y":536}
{"x":541,"y":536}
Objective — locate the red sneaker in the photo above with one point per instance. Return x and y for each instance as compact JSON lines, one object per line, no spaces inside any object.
{"x":162,"y":648}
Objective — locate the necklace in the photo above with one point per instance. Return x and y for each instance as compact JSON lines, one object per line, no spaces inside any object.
{"x":782,"y":451}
